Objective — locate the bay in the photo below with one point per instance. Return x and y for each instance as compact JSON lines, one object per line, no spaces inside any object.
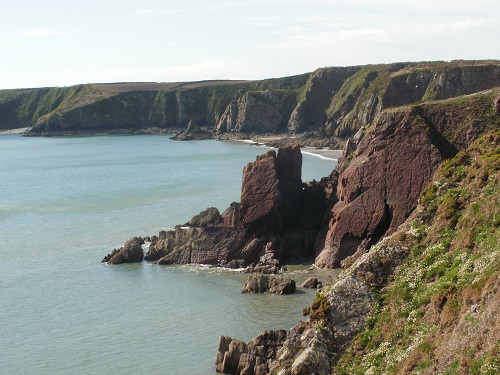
{"x":67,"y":202}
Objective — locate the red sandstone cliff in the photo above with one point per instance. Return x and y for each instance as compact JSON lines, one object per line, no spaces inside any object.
{"x":278,"y":219}
{"x":391,"y":165}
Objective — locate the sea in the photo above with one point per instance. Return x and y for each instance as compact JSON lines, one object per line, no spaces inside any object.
{"x":66,"y":202}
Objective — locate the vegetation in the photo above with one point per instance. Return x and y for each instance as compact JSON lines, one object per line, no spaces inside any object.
{"x":439,"y":313}
{"x":332,"y":103}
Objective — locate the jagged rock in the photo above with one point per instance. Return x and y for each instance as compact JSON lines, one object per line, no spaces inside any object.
{"x":210,"y":216}
{"x":310,"y":283}
{"x":193,"y":132}
{"x":156,"y":250}
{"x":228,"y":354}
{"x":277,"y":219}
{"x":268,"y":284}
{"x":264,"y":112}
{"x":130,"y":252}
{"x":260,"y":194}
{"x":394,"y":161}
{"x":250,"y":358}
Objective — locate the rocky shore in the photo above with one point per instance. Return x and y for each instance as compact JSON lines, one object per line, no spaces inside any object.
{"x":277,"y":220}
{"x":378,"y":218}
{"x":416,"y":189}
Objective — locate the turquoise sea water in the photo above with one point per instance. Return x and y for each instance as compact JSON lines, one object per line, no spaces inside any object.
{"x":67,"y":202}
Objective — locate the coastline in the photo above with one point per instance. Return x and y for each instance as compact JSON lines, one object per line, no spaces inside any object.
{"x":15,"y":131}
{"x":270,"y":141}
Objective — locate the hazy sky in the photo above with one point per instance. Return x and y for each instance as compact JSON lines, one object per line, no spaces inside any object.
{"x":64,"y":42}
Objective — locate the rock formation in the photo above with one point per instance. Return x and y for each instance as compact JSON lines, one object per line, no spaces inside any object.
{"x":210,"y":216}
{"x":375,"y":194}
{"x":236,"y":357}
{"x":193,"y":132}
{"x":392,"y":164}
{"x":277,"y":220}
{"x":130,"y":252}
{"x":266,"y":111}
{"x":268,"y":284}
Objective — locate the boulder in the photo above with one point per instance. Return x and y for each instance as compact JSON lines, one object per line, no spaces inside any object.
{"x":268,"y":284}
{"x":130,"y":252}
{"x":310,"y":283}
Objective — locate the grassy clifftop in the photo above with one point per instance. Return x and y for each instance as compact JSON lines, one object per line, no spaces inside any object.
{"x":331,"y":104}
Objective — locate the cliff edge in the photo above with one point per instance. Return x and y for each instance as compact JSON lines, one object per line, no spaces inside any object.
{"x":423,"y":299}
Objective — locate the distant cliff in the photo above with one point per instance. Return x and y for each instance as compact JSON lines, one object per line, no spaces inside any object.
{"x":330,"y":104}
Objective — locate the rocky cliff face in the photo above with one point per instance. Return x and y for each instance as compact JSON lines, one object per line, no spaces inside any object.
{"x":264,"y":112}
{"x":422,"y":300}
{"x":391,"y":165}
{"x":277,"y":220}
{"x":331,"y":104}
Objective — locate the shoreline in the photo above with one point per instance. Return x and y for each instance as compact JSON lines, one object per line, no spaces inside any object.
{"x":319,"y":152}
{"x":269,"y":141}
{"x":15,"y":131}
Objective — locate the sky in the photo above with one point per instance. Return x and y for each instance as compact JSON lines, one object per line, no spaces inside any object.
{"x":63,"y":42}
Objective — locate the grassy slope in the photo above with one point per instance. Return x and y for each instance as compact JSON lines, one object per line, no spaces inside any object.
{"x":440,"y":312}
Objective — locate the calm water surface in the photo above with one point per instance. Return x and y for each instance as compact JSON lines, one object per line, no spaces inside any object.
{"x":67,"y":202}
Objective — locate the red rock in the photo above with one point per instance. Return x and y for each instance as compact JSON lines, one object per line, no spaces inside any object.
{"x":380,"y":186}
{"x":260,"y":194}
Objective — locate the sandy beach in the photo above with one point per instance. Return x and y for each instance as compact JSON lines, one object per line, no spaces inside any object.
{"x":323,"y":153}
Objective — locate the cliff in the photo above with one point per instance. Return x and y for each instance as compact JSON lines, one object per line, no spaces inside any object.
{"x":410,"y":213}
{"x":379,"y":182}
{"x":423,"y":300}
{"x":328,"y":105}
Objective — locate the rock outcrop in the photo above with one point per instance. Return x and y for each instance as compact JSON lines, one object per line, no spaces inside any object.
{"x":236,"y":357}
{"x":342,"y":309}
{"x":392,"y":163}
{"x":277,"y":220}
{"x":269,"y":284}
{"x":130,"y":252}
{"x":263,"y":112}
{"x":193,"y":132}
{"x":205,"y":218}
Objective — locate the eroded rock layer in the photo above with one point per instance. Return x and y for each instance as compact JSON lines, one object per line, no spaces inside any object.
{"x":277,"y":220}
